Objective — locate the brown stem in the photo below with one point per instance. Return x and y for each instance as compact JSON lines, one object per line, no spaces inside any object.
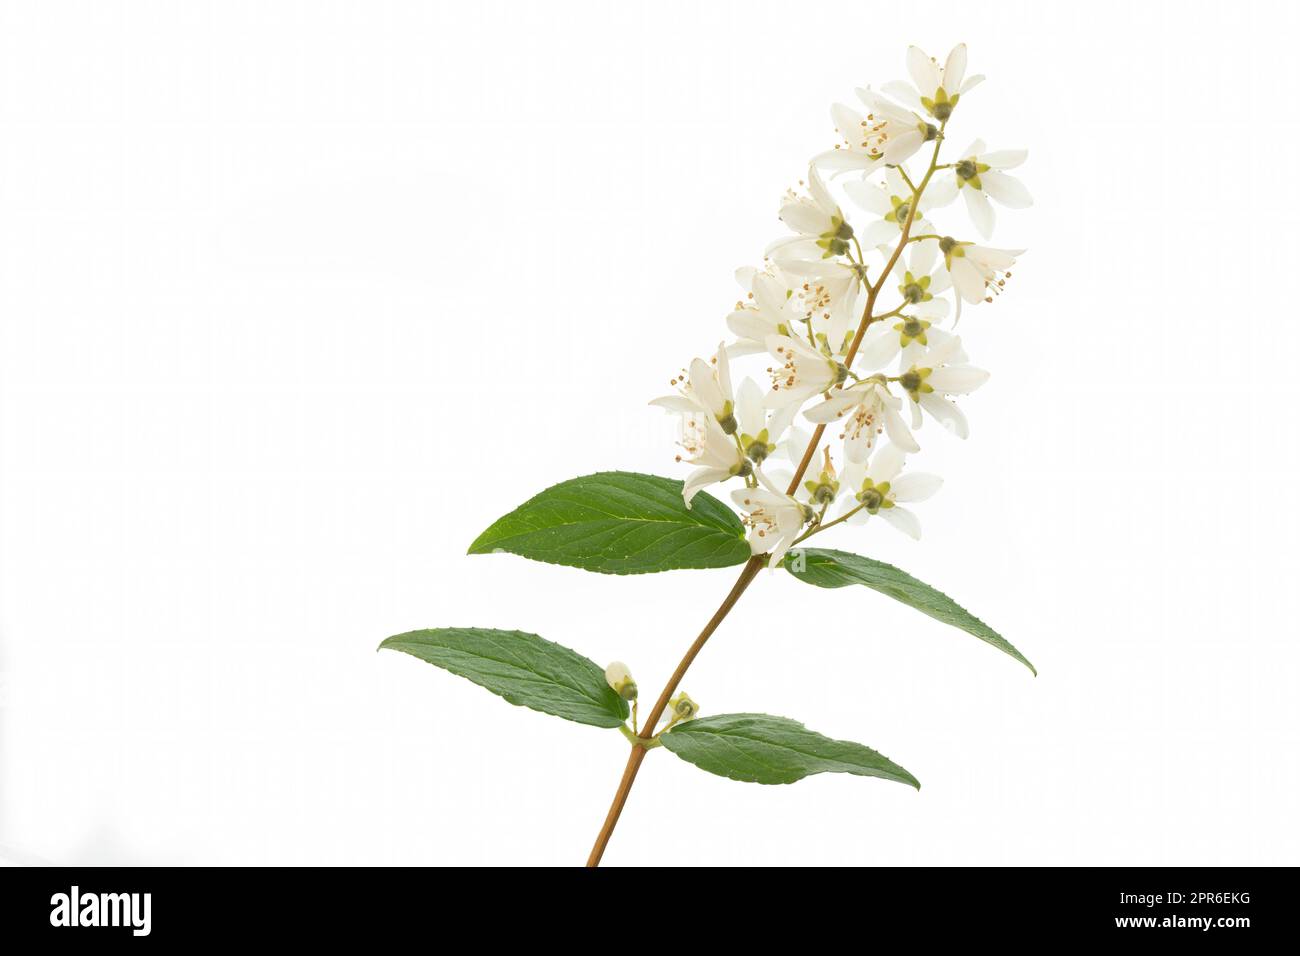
{"x":747,"y":575}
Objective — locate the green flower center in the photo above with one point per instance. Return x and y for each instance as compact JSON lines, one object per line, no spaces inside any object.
{"x":941,"y":106}
{"x":913,"y":382}
{"x":822,"y":494}
{"x":757,"y":448}
{"x":836,"y":240}
{"x":874,"y":496}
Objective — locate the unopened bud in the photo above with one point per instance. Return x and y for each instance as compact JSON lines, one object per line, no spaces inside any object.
{"x":619,"y":677}
{"x":683,"y":707}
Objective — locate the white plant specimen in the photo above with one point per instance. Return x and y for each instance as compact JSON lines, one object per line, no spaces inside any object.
{"x":848,"y":327}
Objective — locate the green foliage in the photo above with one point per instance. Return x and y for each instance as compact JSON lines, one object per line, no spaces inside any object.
{"x":760,"y":748}
{"x":523,"y":668}
{"x":827,"y":568}
{"x":620,"y":522}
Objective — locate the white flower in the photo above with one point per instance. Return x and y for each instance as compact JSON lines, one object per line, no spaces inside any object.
{"x":892,"y":202}
{"x":825,"y":292}
{"x":821,"y":485}
{"x":910,"y":333}
{"x":774,"y":521}
{"x":830,"y":306}
{"x":715,"y":454}
{"x":979,"y":177}
{"x":760,"y":430}
{"x":769,"y":309}
{"x":878,"y":490}
{"x":803,"y":371}
{"x":940,"y":373}
{"x":922,"y":282}
{"x":936,"y":88}
{"x":871,"y":409}
{"x":706,"y":387}
{"x":974,"y":268}
{"x":887,"y":134}
{"x":817,"y":217}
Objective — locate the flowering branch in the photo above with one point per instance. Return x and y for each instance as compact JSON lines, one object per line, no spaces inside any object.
{"x":812,"y":309}
{"x":752,"y":566}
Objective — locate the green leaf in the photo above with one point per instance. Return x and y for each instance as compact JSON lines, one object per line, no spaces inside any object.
{"x":760,"y":748}
{"x":837,"y":569}
{"x":620,"y":522}
{"x":523,"y":668}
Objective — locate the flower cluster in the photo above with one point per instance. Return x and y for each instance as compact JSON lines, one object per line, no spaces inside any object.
{"x":851,"y":319}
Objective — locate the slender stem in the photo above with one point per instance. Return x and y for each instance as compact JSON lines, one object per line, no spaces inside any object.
{"x":755,"y":563}
{"x":747,"y":575}
{"x":818,"y":528}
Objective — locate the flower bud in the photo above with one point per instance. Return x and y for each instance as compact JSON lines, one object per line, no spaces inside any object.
{"x":683,"y":707}
{"x":620,"y":679}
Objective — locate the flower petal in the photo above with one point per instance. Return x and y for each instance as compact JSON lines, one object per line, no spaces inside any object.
{"x":877,"y":350}
{"x":916,"y":487}
{"x":946,"y":414}
{"x":1004,"y":158}
{"x":957,"y":379}
{"x":677,"y":403}
{"x":1007,"y":190}
{"x":967,"y":280}
{"x":840,"y":161}
{"x":941,"y":191}
{"x":924,"y":255}
{"x":981,"y":211}
{"x":903,"y":520}
{"x":898,"y":432}
{"x":750,"y":415}
{"x":886,"y":463}
{"x":900,"y":91}
{"x":924,"y":71}
{"x":903,"y":145}
{"x":701,"y":478}
{"x":954,"y":70}
{"x":833,"y":407}
{"x":869,"y":196}
{"x":804,"y":218}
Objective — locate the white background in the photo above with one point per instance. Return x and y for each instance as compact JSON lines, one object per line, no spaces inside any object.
{"x":298,"y":297}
